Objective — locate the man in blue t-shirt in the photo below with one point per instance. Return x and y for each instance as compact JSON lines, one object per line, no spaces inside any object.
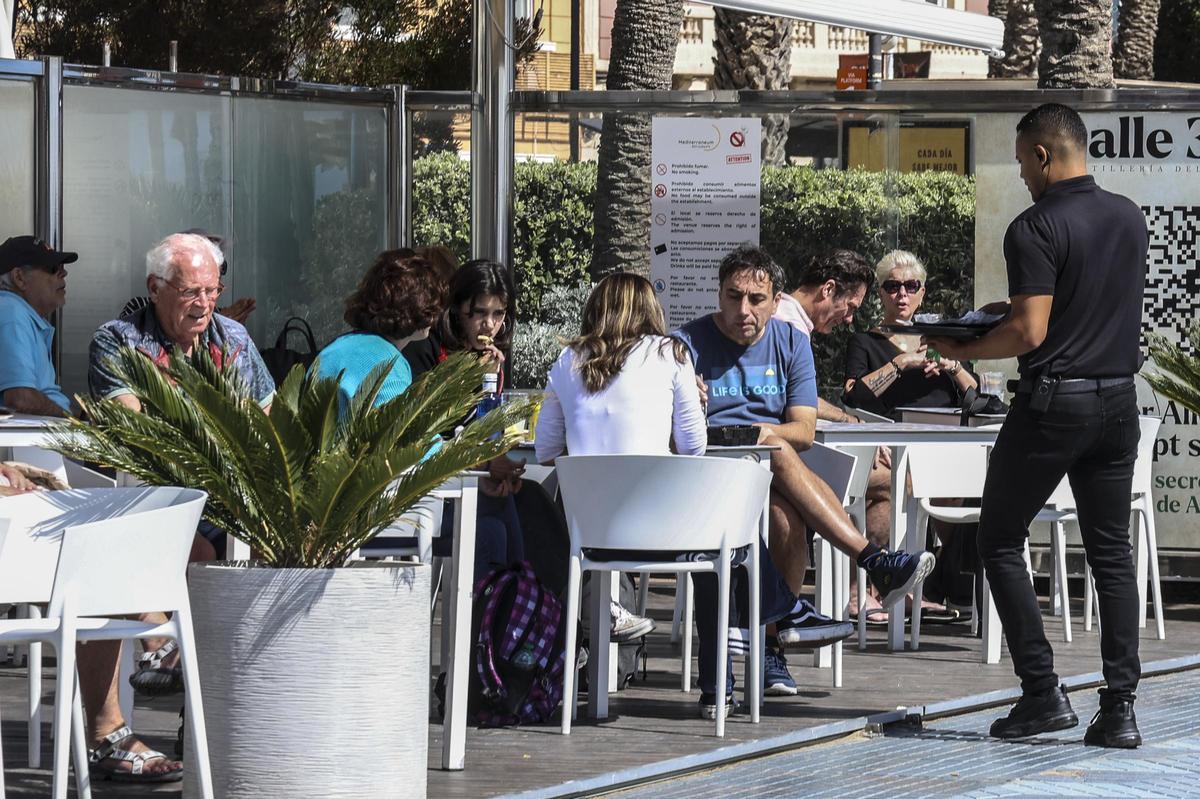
{"x":759,"y":371}
{"x":33,"y":285}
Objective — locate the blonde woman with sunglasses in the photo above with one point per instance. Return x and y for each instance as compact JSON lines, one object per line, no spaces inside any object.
{"x":885,"y":372}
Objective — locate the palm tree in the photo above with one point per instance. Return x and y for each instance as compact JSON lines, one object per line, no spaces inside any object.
{"x":754,"y":51}
{"x":1076,"y":44}
{"x":645,"y":34}
{"x":300,"y":486}
{"x":1134,"y":53}
{"x":1021,"y":43}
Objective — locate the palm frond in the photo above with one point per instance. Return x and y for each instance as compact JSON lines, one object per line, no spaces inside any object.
{"x":291,"y":482}
{"x":1178,"y":372}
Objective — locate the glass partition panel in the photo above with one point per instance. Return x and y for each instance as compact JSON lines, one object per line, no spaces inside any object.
{"x":693,"y":204}
{"x":137,"y":166}
{"x":441,"y":181}
{"x":17,"y":109}
{"x":309,"y":209}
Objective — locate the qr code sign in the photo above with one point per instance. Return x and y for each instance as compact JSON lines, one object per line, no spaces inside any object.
{"x":1172,"y":296}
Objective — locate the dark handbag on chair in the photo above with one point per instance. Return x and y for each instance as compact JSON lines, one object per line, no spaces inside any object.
{"x":280,"y":360}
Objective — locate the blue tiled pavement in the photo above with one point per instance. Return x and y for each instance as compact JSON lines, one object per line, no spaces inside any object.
{"x":953,"y":757}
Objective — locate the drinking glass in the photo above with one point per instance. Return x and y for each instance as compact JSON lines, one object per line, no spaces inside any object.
{"x":992,"y":383}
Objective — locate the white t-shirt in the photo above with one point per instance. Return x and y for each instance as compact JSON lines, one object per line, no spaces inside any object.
{"x":791,"y":311}
{"x":653,"y":397}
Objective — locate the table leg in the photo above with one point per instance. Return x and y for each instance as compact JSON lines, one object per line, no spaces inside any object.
{"x":458,"y":607}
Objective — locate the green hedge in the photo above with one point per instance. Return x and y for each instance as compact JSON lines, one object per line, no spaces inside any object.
{"x":804,"y":211}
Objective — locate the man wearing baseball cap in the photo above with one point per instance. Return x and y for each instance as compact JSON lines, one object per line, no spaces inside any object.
{"x":33,"y":285}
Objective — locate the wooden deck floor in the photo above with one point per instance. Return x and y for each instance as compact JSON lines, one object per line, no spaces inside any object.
{"x":653,"y":720}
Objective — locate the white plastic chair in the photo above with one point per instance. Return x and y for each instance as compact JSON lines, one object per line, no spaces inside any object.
{"x":944,"y":471}
{"x":119,"y":552}
{"x":1145,"y":539}
{"x":656,"y":504}
{"x":846,"y":473}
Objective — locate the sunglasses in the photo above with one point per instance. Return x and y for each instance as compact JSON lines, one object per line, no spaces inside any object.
{"x":893,"y":286}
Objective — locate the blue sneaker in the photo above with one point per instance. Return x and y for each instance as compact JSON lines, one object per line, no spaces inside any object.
{"x":776,"y":679}
{"x":804,"y":626}
{"x":895,"y":573}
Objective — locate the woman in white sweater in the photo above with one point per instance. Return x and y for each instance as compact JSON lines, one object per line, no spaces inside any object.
{"x":622,"y":387}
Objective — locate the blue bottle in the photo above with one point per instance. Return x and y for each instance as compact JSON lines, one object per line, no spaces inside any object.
{"x":491,"y":396}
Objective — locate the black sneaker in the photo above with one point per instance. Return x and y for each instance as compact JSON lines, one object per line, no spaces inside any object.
{"x":1034,"y":714}
{"x":805,"y":626}
{"x":895,"y":573}
{"x":1114,"y":727}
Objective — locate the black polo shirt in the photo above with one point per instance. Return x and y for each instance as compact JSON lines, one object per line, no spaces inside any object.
{"x":1087,"y":248}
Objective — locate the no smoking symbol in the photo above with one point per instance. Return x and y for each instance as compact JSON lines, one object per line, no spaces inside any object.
{"x":660,"y":190}
{"x":661,"y":169}
{"x":737,"y":138}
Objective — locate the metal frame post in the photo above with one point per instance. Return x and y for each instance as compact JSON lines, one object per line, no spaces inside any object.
{"x":492,"y":130}
{"x":399,"y":170}
{"x":48,"y":153}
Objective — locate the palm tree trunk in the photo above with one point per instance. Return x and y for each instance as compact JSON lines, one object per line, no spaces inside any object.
{"x":645,"y":34}
{"x":1076,"y":44}
{"x":1021,"y":42}
{"x":754,"y":51}
{"x":1134,"y":53}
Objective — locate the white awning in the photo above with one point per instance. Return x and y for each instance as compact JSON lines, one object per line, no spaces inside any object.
{"x":7,"y":7}
{"x":908,"y":18}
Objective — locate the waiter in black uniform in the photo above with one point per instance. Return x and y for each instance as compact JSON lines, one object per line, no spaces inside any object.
{"x":1076,"y":272}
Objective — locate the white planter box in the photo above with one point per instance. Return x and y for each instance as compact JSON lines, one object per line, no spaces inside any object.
{"x":315,"y":681}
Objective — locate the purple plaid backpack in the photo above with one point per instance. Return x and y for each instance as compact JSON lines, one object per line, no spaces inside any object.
{"x":519,"y":656}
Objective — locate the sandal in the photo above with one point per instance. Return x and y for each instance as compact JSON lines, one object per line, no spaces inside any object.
{"x":154,"y":679}
{"x":110,"y":751}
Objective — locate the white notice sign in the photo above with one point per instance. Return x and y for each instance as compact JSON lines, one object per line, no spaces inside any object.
{"x":704,"y":202}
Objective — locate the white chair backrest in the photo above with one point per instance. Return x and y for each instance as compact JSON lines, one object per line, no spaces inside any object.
{"x":36,"y":522}
{"x":835,"y":467}
{"x":1143,"y":467}
{"x":42,"y":459}
{"x":947,"y":470}
{"x":134,"y":559}
{"x":79,"y":476}
{"x":1062,"y":498}
{"x":661,"y":502}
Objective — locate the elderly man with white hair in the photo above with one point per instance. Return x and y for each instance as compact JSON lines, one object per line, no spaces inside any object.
{"x":183,"y":276}
{"x":184,"y":281}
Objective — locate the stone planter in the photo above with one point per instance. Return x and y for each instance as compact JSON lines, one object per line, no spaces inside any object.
{"x":315,"y":681}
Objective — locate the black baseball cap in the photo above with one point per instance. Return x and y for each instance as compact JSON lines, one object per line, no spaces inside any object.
{"x":31,"y":251}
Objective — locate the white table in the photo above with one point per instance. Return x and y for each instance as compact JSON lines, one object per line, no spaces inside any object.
{"x":946,"y":416}
{"x":899,"y":436}
{"x":26,"y":438}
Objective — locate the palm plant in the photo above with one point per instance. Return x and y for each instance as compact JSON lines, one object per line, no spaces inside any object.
{"x":300,"y":483}
{"x":1178,"y":375}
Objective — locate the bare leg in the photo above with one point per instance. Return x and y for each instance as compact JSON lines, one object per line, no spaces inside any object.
{"x":813,"y":499}
{"x":879,"y":506}
{"x":789,"y":542}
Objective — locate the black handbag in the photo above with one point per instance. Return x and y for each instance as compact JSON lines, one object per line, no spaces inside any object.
{"x":280,"y":360}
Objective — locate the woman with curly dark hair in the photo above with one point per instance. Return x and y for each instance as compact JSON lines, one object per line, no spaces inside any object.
{"x":396,"y":303}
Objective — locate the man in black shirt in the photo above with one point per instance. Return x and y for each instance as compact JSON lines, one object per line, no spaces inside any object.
{"x":1076,"y":273}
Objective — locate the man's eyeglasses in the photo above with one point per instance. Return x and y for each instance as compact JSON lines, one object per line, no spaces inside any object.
{"x":196,"y":293}
{"x":893,"y":286}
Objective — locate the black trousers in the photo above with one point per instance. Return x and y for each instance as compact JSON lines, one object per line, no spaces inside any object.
{"x":1092,"y":438}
